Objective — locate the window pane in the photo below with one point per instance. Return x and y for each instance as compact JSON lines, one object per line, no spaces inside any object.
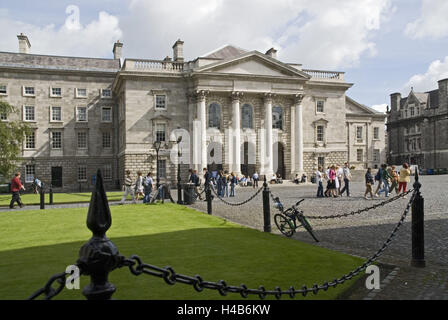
{"x":106,"y":93}
{"x":160,"y":102}
{"x":161,"y":168}
{"x":3,"y":116}
{"x":82,"y":140}
{"x":247,"y":117}
{"x":29,"y":91}
{"x":320,"y":133}
{"x":107,"y":172}
{"x":56,"y":91}
{"x":376,"y":133}
{"x":107,"y":114}
{"x":277,"y":118}
{"x":359,"y":155}
{"x":30,"y":172}
{"x":81,"y":114}
{"x":30,"y":141}
{"x":57,"y":140}
{"x":82,"y":173}
{"x":3,"y":89}
{"x":320,"y":106}
{"x":56,"y":114}
{"x":81,"y":92}
{"x":214,"y":116}
{"x":29,"y":113}
{"x":107,"y":140}
{"x":160,"y":132}
{"x":321,"y":162}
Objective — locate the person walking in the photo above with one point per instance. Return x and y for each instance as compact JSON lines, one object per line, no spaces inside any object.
{"x":340,"y":175}
{"x":332,"y":176}
{"x":327,"y":178}
{"x":139,"y":190}
{"x":16,"y":186}
{"x":386,"y":178}
{"x":225,"y":183}
{"x":128,"y":189}
{"x":320,"y":187}
{"x":347,"y":176}
{"x":379,"y":178}
{"x":196,"y":182}
{"x":404,"y":178}
{"x":233,"y":182}
{"x":147,"y":184}
{"x":369,"y":183}
{"x":394,"y":183}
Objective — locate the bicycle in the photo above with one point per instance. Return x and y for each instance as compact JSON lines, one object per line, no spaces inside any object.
{"x":290,"y":220}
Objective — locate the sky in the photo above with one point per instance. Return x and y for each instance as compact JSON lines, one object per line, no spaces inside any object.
{"x":383,"y":46}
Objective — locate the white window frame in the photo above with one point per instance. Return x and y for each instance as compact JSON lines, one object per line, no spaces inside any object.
{"x":28,"y":94}
{"x":6,"y":89}
{"x":24,"y":113}
{"x":156,"y":130}
{"x":376,"y":133}
{"x":77,"y":114}
{"x":357,"y":155}
{"x":52,"y":140}
{"x":107,"y":172}
{"x":51,"y":114}
{"x":359,"y":140}
{"x":317,"y":133}
{"x":29,"y":179}
{"x":52,"y":95}
{"x":317,"y":106}
{"x":86,"y":141}
{"x":111,"y":114}
{"x":155,"y":101}
{"x":84,"y":167}
{"x":77,"y":96}
{"x":6,"y":117}
{"x":25,"y":141}
{"x":110,"y":140}
{"x":102,"y":94}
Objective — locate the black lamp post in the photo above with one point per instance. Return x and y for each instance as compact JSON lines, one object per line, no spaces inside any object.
{"x":157,"y":146}
{"x":179,"y":187}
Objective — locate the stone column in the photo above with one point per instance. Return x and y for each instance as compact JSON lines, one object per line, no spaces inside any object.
{"x":293,"y":141}
{"x":236,"y":127}
{"x":299,"y":133}
{"x":269,"y":157}
{"x":202,"y":117}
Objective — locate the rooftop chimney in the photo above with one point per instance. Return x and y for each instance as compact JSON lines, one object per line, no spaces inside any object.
{"x":178,"y":51}
{"x":24,"y":43}
{"x":118,"y":46}
{"x":272,"y":53}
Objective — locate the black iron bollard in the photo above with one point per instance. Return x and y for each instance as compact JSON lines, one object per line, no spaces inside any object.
{"x":179,"y":191}
{"x":42,"y":197}
{"x":51,"y":194}
{"x":418,"y":227}
{"x":266,"y":207}
{"x":99,"y":255}
{"x":208,"y":197}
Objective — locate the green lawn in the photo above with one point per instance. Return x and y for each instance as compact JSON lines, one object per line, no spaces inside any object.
{"x":37,"y":244}
{"x":58,"y":198}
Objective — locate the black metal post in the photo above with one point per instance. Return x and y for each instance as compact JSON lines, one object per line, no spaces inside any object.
{"x":42,"y":197}
{"x":51,"y":194}
{"x":208,"y":197}
{"x":99,"y":255}
{"x":157,"y":169}
{"x":266,"y":207}
{"x":179,"y":185}
{"x":418,"y":227}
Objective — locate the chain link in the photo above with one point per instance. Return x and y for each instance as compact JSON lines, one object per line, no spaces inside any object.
{"x":137,"y":267}
{"x":353,"y":213}
{"x":238,"y":204}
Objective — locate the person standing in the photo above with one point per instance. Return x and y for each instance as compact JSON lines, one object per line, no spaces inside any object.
{"x":233,"y":182}
{"x":394,"y":183}
{"x":128,"y":188}
{"x":332,"y":176}
{"x":148,"y":188}
{"x":386,"y":178}
{"x":16,"y":186}
{"x":195,"y":180}
{"x":320,"y":187}
{"x":404,"y":178}
{"x":139,"y":186}
{"x":225,"y":183}
{"x":340,"y":175}
{"x":347,"y":177}
{"x":369,"y":183}
{"x":379,"y":178}
{"x":255,"y":178}
{"x":327,"y":178}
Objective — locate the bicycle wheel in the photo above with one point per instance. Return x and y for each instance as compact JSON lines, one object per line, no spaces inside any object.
{"x":284,"y":224}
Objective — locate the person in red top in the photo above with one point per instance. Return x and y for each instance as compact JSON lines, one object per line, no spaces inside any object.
{"x":16,"y":186}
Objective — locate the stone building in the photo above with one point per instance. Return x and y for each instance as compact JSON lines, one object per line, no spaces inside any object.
{"x":242,"y":111}
{"x":417,"y":128}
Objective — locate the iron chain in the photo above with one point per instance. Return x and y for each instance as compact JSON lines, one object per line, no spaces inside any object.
{"x":137,"y":267}
{"x":238,"y":204}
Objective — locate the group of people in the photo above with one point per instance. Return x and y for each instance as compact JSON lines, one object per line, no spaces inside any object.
{"x":142,"y":187}
{"x":334,"y":176}
{"x":219,"y":181}
{"x":389,"y":179}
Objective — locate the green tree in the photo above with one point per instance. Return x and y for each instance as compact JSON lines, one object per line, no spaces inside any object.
{"x":12,"y":134}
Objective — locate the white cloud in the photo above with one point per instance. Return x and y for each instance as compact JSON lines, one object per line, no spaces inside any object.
{"x":432,"y":23}
{"x":380,"y":107}
{"x":72,"y":39}
{"x":437,"y":70}
{"x":316,"y":33}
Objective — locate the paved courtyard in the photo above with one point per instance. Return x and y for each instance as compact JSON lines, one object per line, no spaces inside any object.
{"x":363,"y":235}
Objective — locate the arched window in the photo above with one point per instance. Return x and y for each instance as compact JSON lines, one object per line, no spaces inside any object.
{"x":214,"y":116}
{"x":247,"y":117}
{"x":277,"y":118}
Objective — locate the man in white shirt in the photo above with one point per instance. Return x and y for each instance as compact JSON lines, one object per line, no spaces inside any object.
{"x":347,"y":177}
{"x":128,"y":188}
{"x":320,"y":188}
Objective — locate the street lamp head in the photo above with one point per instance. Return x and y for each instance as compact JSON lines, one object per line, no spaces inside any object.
{"x":157,"y":145}
{"x":179,"y":139}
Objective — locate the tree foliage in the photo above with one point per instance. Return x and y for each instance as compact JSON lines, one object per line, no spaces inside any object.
{"x":12,"y":134}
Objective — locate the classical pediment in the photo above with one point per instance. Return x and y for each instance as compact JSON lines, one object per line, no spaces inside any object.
{"x":253,"y":64}
{"x":355,"y":108}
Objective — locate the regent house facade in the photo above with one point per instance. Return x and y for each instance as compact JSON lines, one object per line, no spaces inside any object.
{"x":242,"y":111}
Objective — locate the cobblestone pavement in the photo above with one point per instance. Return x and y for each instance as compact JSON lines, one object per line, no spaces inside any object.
{"x":362,"y":235}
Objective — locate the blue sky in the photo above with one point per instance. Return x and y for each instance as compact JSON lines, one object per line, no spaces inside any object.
{"x":384,"y":46}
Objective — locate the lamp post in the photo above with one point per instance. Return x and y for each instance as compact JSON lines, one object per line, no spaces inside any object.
{"x":157,"y":146}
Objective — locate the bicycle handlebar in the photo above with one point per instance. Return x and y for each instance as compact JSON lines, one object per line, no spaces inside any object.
{"x":299,"y":202}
